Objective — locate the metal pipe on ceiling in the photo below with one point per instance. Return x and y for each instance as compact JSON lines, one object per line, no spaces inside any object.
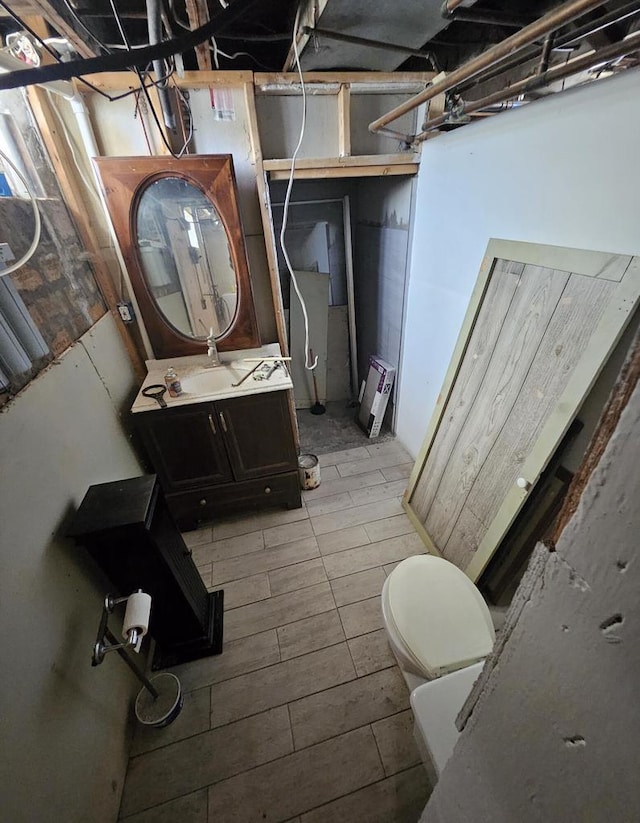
{"x":549,"y":22}
{"x":536,"y":81}
{"x":486,"y":18}
{"x":570,"y":39}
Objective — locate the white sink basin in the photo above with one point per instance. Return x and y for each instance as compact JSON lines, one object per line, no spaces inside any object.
{"x":201,"y":383}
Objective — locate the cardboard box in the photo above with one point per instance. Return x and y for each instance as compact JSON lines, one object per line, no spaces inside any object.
{"x":374,"y":395}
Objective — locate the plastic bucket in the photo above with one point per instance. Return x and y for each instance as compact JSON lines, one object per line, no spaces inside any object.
{"x":309,"y":471}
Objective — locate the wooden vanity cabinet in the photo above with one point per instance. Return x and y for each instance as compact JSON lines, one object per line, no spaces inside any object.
{"x":223,"y":456}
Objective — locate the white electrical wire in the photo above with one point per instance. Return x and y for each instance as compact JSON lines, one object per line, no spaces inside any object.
{"x":36,"y":216}
{"x":216,"y":51}
{"x":285,"y":210}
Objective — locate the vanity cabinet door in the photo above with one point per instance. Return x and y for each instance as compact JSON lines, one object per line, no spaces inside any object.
{"x":186,"y":446}
{"x":257,"y":431}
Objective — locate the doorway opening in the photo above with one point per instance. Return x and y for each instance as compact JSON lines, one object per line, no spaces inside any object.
{"x":348,"y":241}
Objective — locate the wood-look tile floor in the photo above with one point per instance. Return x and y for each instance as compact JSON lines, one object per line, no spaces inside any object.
{"x":305,"y":716}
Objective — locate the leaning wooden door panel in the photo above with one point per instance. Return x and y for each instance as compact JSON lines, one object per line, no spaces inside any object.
{"x":523,"y":329}
{"x":618,"y":311}
{"x":501,"y":289}
{"x":577,"y":314}
{"x":504,"y":410}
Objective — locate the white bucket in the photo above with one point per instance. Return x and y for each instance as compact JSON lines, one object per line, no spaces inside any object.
{"x":309,"y":471}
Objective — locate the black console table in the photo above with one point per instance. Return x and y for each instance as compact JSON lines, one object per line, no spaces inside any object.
{"x":127,"y":529}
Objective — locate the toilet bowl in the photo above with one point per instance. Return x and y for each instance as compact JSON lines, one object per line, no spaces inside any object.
{"x":436,"y":619}
{"x":440,"y":631}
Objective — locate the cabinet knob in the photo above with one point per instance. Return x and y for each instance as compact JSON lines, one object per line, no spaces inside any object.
{"x":523,"y":483}
{"x":203,"y":502}
{"x":267,"y":489}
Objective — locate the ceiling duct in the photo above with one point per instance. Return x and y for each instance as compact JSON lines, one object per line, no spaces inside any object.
{"x":410,"y":23}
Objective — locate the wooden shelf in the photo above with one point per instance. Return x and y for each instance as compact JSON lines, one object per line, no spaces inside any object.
{"x":365,"y":165}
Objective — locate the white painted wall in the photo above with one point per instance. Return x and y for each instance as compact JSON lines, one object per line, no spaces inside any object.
{"x":64,"y":724}
{"x":561,"y":171}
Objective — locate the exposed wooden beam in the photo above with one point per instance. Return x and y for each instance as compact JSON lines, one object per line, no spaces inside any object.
{"x":198,"y":13}
{"x":265,"y":213}
{"x":360,"y":81}
{"x":125,"y":80}
{"x":269,"y":241}
{"x":344,"y":120}
{"x":62,"y":26}
{"x":347,"y":171}
{"x":353,"y":161}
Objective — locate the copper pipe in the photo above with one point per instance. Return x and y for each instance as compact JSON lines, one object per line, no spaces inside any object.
{"x":549,"y":22}
{"x":536,"y":81}
{"x":571,"y":39}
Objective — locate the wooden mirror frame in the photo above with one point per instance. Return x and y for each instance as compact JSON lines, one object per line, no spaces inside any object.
{"x":124,"y":179}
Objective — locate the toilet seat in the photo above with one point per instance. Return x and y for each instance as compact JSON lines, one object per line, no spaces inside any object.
{"x":439,"y":615}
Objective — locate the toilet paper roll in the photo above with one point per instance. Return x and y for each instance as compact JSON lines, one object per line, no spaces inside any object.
{"x":137,"y":614}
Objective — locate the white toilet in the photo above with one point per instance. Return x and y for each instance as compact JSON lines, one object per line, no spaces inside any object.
{"x":440,"y":631}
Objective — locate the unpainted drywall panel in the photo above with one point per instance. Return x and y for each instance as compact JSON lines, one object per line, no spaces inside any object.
{"x":279,"y":119}
{"x":119,"y":131}
{"x":385,"y":201}
{"x":213,"y":136}
{"x":368,"y":107}
{"x":64,"y":726}
{"x":379,"y":274}
{"x":491,"y":179}
{"x":554,"y":735}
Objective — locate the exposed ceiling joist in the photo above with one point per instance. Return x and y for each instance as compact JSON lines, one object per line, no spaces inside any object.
{"x":198,"y":13}
{"x":50,"y":13}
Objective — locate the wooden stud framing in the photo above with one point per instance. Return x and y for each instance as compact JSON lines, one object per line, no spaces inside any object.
{"x":198,"y":13}
{"x":53,"y":16}
{"x":344,"y":120}
{"x":265,"y":213}
{"x":267,"y":226}
{"x":74,"y":197}
{"x":360,"y":81}
{"x":332,"y":172}
{"x":126,"y":80}
{"x":353,"y":161}
{"x":370,"y":165}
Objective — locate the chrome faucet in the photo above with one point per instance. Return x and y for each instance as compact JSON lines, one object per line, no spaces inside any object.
{"x":212,"y":351}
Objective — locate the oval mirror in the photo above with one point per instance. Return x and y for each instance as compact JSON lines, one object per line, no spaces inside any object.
{"x":185,"y":258}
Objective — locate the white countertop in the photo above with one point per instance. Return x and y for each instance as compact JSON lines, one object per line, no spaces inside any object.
{"x":202,"y":383}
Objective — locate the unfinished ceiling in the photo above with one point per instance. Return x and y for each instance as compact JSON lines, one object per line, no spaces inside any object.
{"x":334,"y":35}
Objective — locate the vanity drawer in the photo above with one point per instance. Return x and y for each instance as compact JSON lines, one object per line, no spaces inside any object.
{"x":211,"y":501}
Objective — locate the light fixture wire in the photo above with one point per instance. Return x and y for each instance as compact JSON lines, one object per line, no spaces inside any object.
{"x":285,"y":211}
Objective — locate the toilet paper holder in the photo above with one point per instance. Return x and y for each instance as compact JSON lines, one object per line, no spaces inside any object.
{"x":133,"y":635}
{"x":161,"y":699}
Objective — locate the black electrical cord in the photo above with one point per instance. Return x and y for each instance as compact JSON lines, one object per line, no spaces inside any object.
{"x":49,"y":50}
{"x":127,"y":43}
{"x":117,"y":62}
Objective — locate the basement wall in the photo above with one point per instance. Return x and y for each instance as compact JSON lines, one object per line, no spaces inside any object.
{"x":555,"y":733}
{"x":560,"y":171}
{"x":64,"y":724}
{"x":381,"y":250}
